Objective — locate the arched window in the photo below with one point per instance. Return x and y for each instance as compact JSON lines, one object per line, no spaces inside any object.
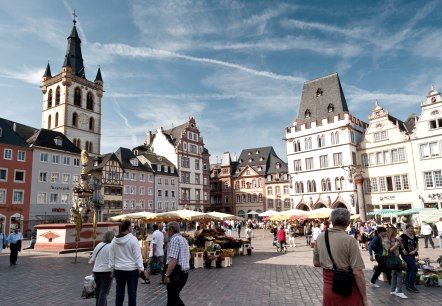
{"x":352,"y":137}
{"x":323,"y":185}
{"x":255,"y":198}
{"x":238,"y":198}
{"x":77,"y":96}
{"x":74,"y":120}
{"x":260,"y":197}
{"x":243,"y":198}
{"x":91,"y":123}
{"x":88,"y":146}
{"x":328,"y":184}
{"x":50,"y":98}
{"x":49,"y":122}
{"x":90,"y":101}
{"x":77,"y":143}
{"x":332,"y":138}
{"x":301,"y":187}
{"x":330,"y":108}
{"x":313,"y":186}
{"x":254,"y":183}
{"x":342,"y":183}
{"x":56,"y":119}
{"x":337,"y":184}
{"x":308,"y":113}
{"x":336,"y":137}
{"x":319,"y":92}
{"x":57,"y":96}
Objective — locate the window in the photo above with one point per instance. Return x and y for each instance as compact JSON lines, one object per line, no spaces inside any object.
{"x":49,"y":122}
{"x":54,"y":177}
{"x":197,"y":179}
{"x":379,"y":158}
{"x":307,"y":114}
{"x":21,"y":156}
{"x":2,"y":196}
{"x":41,"y":198}
{"x":50,"y":98}
{"x":197,"y":164}
{"x":159,"y":181}
{"x":309,"y":163}
{"x":55,"y":159}
{"x":76,"y":162}
{"x":150,"y":191}
{"x":297,"y":165}
{"x":57,"y":96}
{"x":270,"y":203}
{"x":142,"y":177}
{"x":7,"y":154}
{"x":91,"y":124}
{"x":321,"y":141}
{"x":308,"y":143}
{"x":64,"y":198}
{"x":429,"y":150}
{"x":323,"y":161}
{"x":193,"y":148}
{"x":75,"y":179}
{"x":185,"y":162}
{"x":75,"y":120}
{"x":374,"y":185}
{"x":278,"y":190}
{"x":53,"y":198}
{"x":66,"y":160}
{"x":269,"y":191}
{"x":142,"y":191}
{"x":150,"y":178}
{"x":90,"y":101}
{"x":436,"y":124}
{"x":185,"y":177}
{"x":337,"y":159}
{"x":19,"y":176}
{"x":364,"y":160}
{"x":18,"y":196}
{"x":3,"y":174}
{"x":330,"y":108}
{"x":65,"y":178}
{"x":433,"y":179}
{"x":401,"y":152}
{"x":88,"y":146}
{"x":379,"y":136}
{"x":296,"y":146}
{"x":77,"y":96}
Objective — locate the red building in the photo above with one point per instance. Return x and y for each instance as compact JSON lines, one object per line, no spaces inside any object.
{"x":15,"y":176}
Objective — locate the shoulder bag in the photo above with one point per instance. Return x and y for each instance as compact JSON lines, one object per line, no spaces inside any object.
{"x":342,"y":280}
{"x":393,"y":262}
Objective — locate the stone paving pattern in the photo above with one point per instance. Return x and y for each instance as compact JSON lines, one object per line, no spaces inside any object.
{"x":265,"y":278}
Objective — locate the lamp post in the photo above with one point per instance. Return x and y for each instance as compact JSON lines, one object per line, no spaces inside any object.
{"x":354,"y":173}
{"x":291,"y":177}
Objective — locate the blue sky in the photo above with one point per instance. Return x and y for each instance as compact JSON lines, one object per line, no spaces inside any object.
{"x":237,"y":67}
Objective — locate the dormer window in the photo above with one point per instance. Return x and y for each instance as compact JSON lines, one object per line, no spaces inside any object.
{"x":330,"y":108}
{"x":261,"y":158}
{"x":58,"y":141}
{"x":250,"y":160}
{"x":134,"y":162}
{"x":319,"y":92}
{"x":433,"y":99}
{"x":307,"y":113}
{"x":435,"y":113}
{"x":250,"y":153}
{"x":1,"y":132}
{"x":257,"y":152}
{"x":278,"y":165}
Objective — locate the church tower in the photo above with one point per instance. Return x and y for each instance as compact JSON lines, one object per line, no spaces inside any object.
{"x":71,"y":103}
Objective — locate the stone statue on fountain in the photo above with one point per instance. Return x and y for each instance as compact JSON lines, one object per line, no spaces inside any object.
{"x":82,"y":207}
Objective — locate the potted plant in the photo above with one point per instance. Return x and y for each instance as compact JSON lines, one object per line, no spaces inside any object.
{"x":219,"y":260}
{"x":208,"y":261}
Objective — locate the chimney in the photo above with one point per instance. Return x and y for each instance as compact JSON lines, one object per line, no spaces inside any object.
{"x":14,"y":126}
{"x":148,"y":138}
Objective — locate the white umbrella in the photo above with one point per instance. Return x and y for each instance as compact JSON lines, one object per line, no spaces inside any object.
{"x":180,"y":215}
{"x":223,"y":216}
{"x":253,"y":212}
{"x":141,"y":215}
{"x":323,"y":212}
{"x":267,"y":213}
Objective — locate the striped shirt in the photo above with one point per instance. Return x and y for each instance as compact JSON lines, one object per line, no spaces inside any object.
{"x":179,"y":249}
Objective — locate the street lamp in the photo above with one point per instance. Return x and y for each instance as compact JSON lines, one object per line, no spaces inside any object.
{"x":354,"y":173}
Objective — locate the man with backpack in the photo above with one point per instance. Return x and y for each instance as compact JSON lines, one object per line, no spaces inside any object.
{"x":377,"y":246}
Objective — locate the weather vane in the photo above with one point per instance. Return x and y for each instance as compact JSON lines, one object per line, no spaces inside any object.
{"x":75,"y":16}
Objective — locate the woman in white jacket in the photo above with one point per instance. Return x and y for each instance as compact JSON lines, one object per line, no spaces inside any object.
{"x":102,"y":272}
{"x":126,"y":262}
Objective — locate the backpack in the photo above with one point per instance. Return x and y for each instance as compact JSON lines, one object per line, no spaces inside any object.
{"x":377,"y":244}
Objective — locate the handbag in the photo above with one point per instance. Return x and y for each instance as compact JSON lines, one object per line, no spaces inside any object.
{"x":393,"y":262}
{"x":342,"y":280}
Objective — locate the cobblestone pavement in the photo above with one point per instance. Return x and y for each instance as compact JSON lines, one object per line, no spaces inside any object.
{"x":265,"y":278}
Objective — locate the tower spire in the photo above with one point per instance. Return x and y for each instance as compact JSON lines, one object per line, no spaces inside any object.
{"x":73,"y":57}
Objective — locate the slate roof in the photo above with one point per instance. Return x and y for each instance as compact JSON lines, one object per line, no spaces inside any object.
{"x":9,"y":136}
{"x":176,"y":132}
{"x":73,"y":57}
{"x":410,"y":123}
{"x":264,"y":157}
{"x":399,"y":123}
{"x":124,"y":155}
{"x":156,"y":160}
{"x":46,"y":139}
{"x":102,"y":160}
{"x":317,"y":95}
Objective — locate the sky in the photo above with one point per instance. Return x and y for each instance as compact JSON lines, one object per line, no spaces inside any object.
{"x":237,"y":67}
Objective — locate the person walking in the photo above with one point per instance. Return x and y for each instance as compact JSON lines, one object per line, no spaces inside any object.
{"x":177,"y":262}
{"x":439,"y":232}
{"x":378,"y":245}
{"x":156,"y":252}
{"x":102,"y":272}
{"x":249,"y":233}
{"x":345,"y":252}
{"x":14,"y":242}
{"x":292,"y":235}
{"x":308,"y":232}
{"x":315,"y":233}
{"x":411,"y":247}
{"x":427,"y":231}
{"x":394,"y":247}
{"x":238,"y":229}
{"x":2,"y":240}
{"x":126,"y":262}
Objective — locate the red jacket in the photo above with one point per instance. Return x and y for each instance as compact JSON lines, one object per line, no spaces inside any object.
{"x":280,"y":235}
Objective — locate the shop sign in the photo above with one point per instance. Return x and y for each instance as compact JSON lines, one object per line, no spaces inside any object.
{"x":59,"y":209}
{"x":435,"y":196}
{"x":388,"y":198}
{"x":59,"y":187}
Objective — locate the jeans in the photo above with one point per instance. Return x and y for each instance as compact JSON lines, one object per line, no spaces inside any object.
{"x":174,"y":289}
{"x":381,"y":268}
{"x":103,"y":282}
{"x":396,"y":281}
{"x":308,"y":239}
{"x":14,"y":253}
{"x":410,"y":278}
{"x":440,"y":241}
{"x":121,"y":278}
{"x":428,"y":238}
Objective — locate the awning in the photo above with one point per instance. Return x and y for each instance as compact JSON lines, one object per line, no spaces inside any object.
{"x":384,"y":212}
{"x":416,"y":210}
